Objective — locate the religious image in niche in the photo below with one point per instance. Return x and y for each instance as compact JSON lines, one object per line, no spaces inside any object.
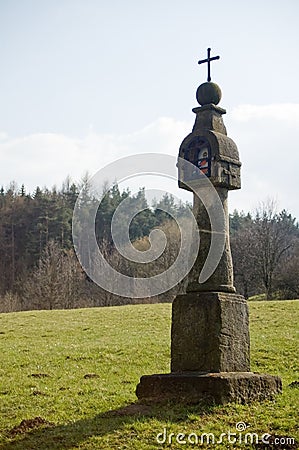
{"x":203,"y":162}
{"x":198,"y":153}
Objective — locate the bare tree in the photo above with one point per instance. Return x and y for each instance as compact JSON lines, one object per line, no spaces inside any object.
{"x":248,"y":279}
{"x":56,"y":282}
{"x":274,"y":236}
{"x":288,"y":277}
{"x":261,"y":248}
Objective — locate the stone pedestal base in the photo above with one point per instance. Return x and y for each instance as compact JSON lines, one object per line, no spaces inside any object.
{"x":218,"y":388}
{"x":210,"y":333}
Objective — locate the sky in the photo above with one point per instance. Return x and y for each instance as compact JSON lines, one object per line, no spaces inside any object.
{"x":86,"y":82}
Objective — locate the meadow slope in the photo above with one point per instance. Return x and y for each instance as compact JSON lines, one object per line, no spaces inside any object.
{"x":77,"y":371}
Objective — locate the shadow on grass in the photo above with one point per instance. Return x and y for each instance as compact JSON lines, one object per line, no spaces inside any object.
{"x":54,"y":437}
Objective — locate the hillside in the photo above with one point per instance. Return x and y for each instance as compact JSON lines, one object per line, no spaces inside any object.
{"x":77,"y":371}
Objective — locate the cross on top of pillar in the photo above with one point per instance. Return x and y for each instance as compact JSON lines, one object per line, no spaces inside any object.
{"x":208,"y":60}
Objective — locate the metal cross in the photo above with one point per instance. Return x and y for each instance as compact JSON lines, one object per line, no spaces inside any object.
{"x":208,"y":60}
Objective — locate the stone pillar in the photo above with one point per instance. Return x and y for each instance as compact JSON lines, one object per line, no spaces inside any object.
{"x":222,"y":279}
{"x":210,"y":347}
{"x":210,"y":325}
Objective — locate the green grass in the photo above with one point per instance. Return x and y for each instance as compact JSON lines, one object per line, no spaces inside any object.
{"x":46,"y":354}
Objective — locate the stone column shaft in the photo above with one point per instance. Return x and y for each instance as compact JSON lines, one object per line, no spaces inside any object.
{"x":222,"y":279}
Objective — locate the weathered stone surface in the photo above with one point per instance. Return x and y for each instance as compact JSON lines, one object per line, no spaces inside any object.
{"x":210,"y":333}
{"x":222,"y":278}
{"x":208,"y":93}
{"x":225,"y":162}
{"x":210,"y":347}
{"x":208,"y":120}
{"x":219,"y":388}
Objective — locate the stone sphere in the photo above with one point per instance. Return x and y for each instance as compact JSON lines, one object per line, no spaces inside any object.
{"x":208,"y":93}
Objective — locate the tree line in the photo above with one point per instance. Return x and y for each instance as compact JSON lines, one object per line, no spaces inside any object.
{"x":38,"y":265}
{"x":265,"y":249}
{"x":39,"y":268}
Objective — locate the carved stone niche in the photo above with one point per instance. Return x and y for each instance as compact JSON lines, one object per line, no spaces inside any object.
{"x":216,"y":155}
{"x":211,"y":150}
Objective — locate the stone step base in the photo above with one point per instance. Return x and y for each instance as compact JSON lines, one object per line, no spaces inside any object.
{"x":214,"y":388}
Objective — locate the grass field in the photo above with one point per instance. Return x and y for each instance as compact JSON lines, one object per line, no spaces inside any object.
{"x":77,"y":371}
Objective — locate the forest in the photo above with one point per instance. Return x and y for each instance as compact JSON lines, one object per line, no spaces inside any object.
{"x":39,"y":268}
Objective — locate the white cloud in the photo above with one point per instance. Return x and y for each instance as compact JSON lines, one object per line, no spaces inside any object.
{"x":287,"y":112}
{"x":3,"y":135}
{"x":46,"y":159}
{"x":267,"y":140}
{"x":265,"y":135}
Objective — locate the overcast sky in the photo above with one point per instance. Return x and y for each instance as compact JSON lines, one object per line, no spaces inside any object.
{"x":85,"y":82}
